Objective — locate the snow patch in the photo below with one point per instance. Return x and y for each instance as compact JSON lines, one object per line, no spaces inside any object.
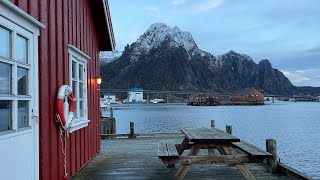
{"x":158,"y":32}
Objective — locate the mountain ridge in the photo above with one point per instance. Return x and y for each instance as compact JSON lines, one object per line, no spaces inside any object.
{"x":169,"y":59}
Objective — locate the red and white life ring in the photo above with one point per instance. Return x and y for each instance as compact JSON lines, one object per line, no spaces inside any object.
{"x":65,"y":99}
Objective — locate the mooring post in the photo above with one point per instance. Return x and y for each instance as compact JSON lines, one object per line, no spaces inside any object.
{"x":272,"y":163}
{"x":213,"y":123}
{"x":111,"y":112}
{"x":229,"y":129}
{"x":131,"y":135}
{"x":103,"y":125}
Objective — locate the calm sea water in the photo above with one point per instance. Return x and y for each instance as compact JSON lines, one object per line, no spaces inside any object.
{"x":295,"y":126}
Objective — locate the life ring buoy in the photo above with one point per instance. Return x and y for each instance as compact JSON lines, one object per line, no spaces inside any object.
{"x":65,"y":98}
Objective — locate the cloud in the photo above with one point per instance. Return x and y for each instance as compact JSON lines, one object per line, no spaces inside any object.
{"x":207,"y":5}
{"x":295,"y":77}
{"x":154,"y":11}
{"x":304,"y":77}
{"x":178,"y":2}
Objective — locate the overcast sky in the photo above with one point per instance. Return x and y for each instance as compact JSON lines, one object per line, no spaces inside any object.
{"x":287,"y":32}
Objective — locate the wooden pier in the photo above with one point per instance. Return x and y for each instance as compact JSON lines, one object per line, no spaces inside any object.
{"x":136,"y":157}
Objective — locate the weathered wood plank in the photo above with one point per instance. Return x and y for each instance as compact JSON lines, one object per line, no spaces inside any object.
{"x":252,"y":150}
{"x":245,"y":172}
{"x":172,"y":150}
{"x":181,"y":172}
{"x":162,"y":149}
{"x":242,"y":168}
{"x":185,"y":167}
{"x":183,"y":146}
{"x":210,"y":151}
{"x":208,"y":135}
{"x":212,"y":159}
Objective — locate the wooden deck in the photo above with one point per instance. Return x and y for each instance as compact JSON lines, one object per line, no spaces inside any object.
{"x":138,"y":159}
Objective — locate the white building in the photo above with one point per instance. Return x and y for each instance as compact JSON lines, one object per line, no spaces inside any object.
{"x":135,"y":95}
{"x":109,"y":98}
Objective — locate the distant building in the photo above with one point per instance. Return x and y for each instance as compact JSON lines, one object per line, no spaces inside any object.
{"x":111,"y":97}
{"x":135,"y":95}
{"x":203,"y":99}
{"x":248,"y":95}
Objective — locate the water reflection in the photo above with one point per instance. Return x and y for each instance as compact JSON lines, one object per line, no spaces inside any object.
{"x":22,"y":81}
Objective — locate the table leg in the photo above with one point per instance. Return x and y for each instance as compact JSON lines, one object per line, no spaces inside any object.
{"x":210,"y":151}
{"x":181,"y":147}
{"x":185,"y":167}
{"x":242,"y":167}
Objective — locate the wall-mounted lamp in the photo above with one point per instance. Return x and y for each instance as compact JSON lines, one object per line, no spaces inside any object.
{"x":98,"y":80}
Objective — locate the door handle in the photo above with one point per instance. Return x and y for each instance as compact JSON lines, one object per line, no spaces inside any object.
{"x":36,"y":118}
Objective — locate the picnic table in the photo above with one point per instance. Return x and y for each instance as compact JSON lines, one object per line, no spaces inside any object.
{"x":231,"y":150}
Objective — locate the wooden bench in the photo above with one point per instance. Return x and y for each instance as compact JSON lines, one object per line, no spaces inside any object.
{"x":167,"y":149}
{"x":251,"y":150}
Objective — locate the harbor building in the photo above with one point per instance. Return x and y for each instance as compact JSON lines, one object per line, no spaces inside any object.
{"x":135,"y":95}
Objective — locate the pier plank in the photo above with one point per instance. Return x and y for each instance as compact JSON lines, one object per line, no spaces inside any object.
{"x":208,"y":135}
{"x":162,"y":149}
{"x":172,"y":150}
{"x":252,"y":150}
{"x":167,"y":149}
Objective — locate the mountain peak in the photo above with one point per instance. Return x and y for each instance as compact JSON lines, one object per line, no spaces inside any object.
{"x":158,"y":32}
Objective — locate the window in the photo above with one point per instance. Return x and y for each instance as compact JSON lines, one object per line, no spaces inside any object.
{"x":78,"y":83}
{"x":15,"y":70}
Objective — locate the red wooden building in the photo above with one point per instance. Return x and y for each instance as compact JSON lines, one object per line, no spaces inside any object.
{"x":203,"y":99}
{"x":43,"y":45}
{"x":248,"y":95}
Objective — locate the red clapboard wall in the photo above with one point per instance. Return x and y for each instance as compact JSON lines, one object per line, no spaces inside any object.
{"x":67,"y":22}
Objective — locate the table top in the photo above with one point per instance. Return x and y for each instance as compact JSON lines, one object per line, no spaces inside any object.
{"x":208,"y":135}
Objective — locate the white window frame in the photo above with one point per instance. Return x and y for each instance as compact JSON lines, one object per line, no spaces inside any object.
{"x":18,"y":21}
{"x":16,"y":30}
{"x":76,"y":55}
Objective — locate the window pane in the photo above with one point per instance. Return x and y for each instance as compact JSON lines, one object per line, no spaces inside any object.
{"x":5,"y":76}
{"x":80,"y":72}
{"x":4,"y":42}
{"x":74,"y":88}
{"x":23,"y":120}
{"x":21,"y":49}
{"x":80,"y":90}
{"x":81,"y":109}
{"x":5,"y":114}
{"x":74,"y":64}
{"x":22,"y":81}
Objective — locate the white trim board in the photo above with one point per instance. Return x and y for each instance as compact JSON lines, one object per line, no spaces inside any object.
{"x":22,"y":13}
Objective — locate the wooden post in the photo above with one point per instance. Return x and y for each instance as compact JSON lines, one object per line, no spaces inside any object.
{"x":111,"y":112}
{"x":229,"y":129}
{"x":213,"y":123}
{"x":272,"y":163}
{"x":131,"y":135}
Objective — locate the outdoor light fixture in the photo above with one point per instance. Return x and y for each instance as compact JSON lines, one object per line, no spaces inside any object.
{"x":98,"y":80}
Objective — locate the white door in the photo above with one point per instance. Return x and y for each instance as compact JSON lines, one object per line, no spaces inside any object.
{"x":19,"y":134}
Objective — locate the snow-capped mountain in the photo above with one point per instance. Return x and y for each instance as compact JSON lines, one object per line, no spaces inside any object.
{"x":159,"y":32}
{"x":108,"y":57}
{"x":168,"y":58}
